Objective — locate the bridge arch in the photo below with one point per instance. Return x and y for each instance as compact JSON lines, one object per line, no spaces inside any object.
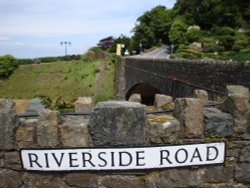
{"x":146,"y":91}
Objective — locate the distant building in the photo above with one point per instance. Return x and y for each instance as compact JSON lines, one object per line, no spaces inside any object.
{"x":106,"y":42}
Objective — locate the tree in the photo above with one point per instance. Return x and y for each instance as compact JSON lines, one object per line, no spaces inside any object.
{"x":226,"y":37}
{"x":122,"y":39}
{"x":177,"y":33}
{"x":152,"y":27}
{"x":210,"y":13}
{"x":7,"y":65}
{"x":193,"y":34}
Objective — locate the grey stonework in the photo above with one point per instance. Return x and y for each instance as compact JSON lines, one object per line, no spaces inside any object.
{"x":12,"y":160}
{"x":10,"y":179}
{"x":117,"y":123}
{"x":189,"y":112}
{"x":34,"y":106}
{"x":161,"y":101}
{"x":83,"y":104}
{"x":74,"y":132}
{"x":47,"y":129}
{"x":164,"y":133}
{"x":81,"y":180}
{"x":8,"y":124}
{"x":135,"y":98}
{"x":242,"y":173}
{"x":217,"y":122}
{"x":202,"y":95}
{"x":237,"y":104}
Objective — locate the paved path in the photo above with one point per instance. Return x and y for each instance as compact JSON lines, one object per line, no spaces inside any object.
{"x":159,"y":53}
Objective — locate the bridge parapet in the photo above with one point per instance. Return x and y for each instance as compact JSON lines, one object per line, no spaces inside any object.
{"x":179,"y":78}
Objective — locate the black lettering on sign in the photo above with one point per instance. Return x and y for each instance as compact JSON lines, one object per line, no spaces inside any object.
{"x":178,"y":155}
{"x":87,"y":159}
{"x":102,"y":159}
{"x":121,"y":158}
{"x":71,"y":159}
{"x":33,"y":159}
{"x":139,"y":158}
{"x":58,"y":161}
{"x":196,"y":154}
{"x":208,"y":153}
{"x":164,"y":156}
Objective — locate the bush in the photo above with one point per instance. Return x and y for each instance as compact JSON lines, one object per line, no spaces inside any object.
{"x":226,"y":36}
{"x":187,"y":53}
{"x":93,"y":54}
{"x":193,"y":34}
{"x":59,"y":104}
{"x":7,"y":65}
{"x":243,"y":55}
{"x":177,"y":33}
{"x":210,"y":44}
{"x":24,"y":61}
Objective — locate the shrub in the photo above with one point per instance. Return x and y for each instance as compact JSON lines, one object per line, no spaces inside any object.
{"x":7,"y":65}
{"x":211,"y":44}
{"x":100,"y":98}
{"x":177,"y":33}
{"x":193,"y":34}
{"x":188,"y":53}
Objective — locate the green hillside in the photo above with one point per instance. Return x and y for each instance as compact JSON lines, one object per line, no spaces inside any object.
{"x":62,"y":80}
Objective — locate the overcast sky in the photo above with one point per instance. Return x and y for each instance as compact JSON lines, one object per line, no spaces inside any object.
{"x":35,"y":28}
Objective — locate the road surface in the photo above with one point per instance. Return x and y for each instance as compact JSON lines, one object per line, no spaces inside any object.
{"x":159,"y":53}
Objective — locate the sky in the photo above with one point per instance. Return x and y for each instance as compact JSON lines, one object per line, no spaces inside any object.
{"x":35,"y":28}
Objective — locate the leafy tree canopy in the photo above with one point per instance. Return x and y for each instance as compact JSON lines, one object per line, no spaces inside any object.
{"x":152,"y":27}
{"x":7,"y":65}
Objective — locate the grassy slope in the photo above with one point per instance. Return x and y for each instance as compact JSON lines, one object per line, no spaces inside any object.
{"x":68,"y":80}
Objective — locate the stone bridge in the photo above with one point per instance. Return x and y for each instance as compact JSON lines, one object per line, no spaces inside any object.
{"x":178,"y":78}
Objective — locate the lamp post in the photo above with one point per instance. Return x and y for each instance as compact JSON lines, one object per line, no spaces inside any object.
{"x":66,"y":44}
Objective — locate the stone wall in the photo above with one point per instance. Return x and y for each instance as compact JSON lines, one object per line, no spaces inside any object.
{"x":179,"y":78}
{"x":116,"y":124}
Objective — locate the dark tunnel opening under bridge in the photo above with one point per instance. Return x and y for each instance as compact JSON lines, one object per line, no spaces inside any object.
{"x":146,"y":91}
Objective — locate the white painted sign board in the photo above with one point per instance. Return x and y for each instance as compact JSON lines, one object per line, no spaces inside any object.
{"x":139,"y":158}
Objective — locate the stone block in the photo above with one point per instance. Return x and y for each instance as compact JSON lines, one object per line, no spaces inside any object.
{"x":237,"y":104}
{"x":47,"y":129}
{"x":34,"y":106}
{"x":124,"y":181}
{"x":202,"y":95}
{"x":219,"y":174}
{"x":8,"y":124}
{"x":41,"y":180}
{"x":163,"y":101}
{"x":245,"y":155}
{"x":165,"y":133}
{"x":12,"y":160}
{"x":242,"y":173}
{"x":1,"y":160}
{"x":179,"y":178}
{"x":75,"y":134}
{"x":189,"y":112}
{"x":217,"y":122}
{"x":9,"y":179}
{"x":135,"y":98}
{"x":83,"y":104}
{"x":118,"y":123}
{"x":6,"y":104}
{"x":238,"y":90}
{"x":81,"y":180}
{"x":26,"y":133}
